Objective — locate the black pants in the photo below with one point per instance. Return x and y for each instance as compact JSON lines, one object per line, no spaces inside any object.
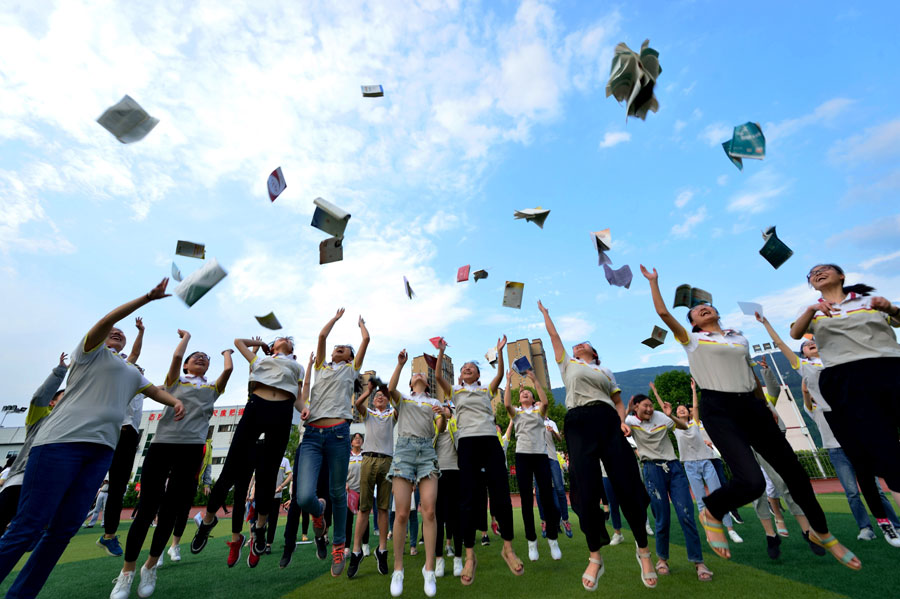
{"x":594,"y":433}
{"x":483,"y":464}
{"x":295,"y":514}
{"x":530,"y":466}
{"x":167,"y":479}
{"x":447,"y":512}
{"x":9,"y":505}
{"x":737,"y":423}
{"x":119,"y":475}
{"x":865,"y":414}
{"x":260,"y":416}
{"x":272,"y":522}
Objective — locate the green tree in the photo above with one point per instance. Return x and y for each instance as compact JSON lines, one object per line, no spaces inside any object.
{"x":674,"y":387}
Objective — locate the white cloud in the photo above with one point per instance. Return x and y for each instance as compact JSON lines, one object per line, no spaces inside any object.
{"x":685,"y":228}
{"x":679,"y":125}
{"x":614,"y":138}
{"x":867,"y":264}
{"x":881,"y":233}
{"x":875,"y":144}
{"x":824,"y":113}
{"x":716,"y":133}
{"x":683,"y":198}
{"x":757,"y":192}
{"x":722,"y":180}
{"x":573,"y":328}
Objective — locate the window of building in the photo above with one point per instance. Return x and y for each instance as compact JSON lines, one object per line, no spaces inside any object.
{"x":226,"y":428}
{"x":147,"y":444}
{"x":218,"y":460}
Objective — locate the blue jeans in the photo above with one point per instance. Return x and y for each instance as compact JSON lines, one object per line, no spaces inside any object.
{"x":559,"y":491}
{"x":847,"y":475}
{"x":331,"y":447}
{"x":98,"y":509}
{"x":663,"y":482}
{"x":61,"y":480}
{"x":613,"y":504}
{"x":698,"y":472}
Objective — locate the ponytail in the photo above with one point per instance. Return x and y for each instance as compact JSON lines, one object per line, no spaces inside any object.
{"x":859,"y":288}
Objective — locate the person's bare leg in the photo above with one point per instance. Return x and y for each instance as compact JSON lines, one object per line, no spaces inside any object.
{"x":402,"y":498}
{"x":427,"y":501}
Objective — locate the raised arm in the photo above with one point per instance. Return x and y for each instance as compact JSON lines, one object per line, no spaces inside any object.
{"x":100,"y":331}
{"x":244,"y":345}
{"x":363,"y":398}
{"x":670,"y":321}
{"x":138,"y":341}
{"x":807,"y":397}
{"x":507,"y":396}
{"x":178,"y":357}
{"x":395,"y":377}
{"x":302,"y":402}
{"x":773,"y":388}
{"x":439,"y":372}
{"x":541,"y":395}
{"x":786,"y":351}
{"x":695,"y":408}
{"x":228,"y":368}
{"x":323,"y":337}
{"x":363,"y":345}
{"x":165,"y":398}
{"x":558,"y":349}
{"x":43,"y":395}
{"x":667,"y":410}
{"x":495,"y":384}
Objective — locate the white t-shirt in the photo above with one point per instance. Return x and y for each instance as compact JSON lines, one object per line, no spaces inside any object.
{"x":283,"y":470}
{"x":332,"y":391}
{"x":529,"y":427}
{"x":817,"y":414}
{"x":133,"y":413}
{"x":474,"y":413}
{"x":855,"y":331}
{"x":586,"y":383}
{"x":692,"y":445}
{"x":720,"y":362}
{"x":416,"y":415}
{"x":652,"y":436}
{"x":278,"y":371}
{"x":810,"y":369}
{"x":548,"y":437}
{"x":379,"y":431}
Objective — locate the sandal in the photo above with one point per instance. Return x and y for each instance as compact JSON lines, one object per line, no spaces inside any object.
{"x":512,"y":560}
{"x":662,"y":568}
{"x":471,"y":573}
{"x":830,"y":543}
{"x":593,"y":579}
{"x":720,"y":548}
{"x":704,"y":574}
{"x":646,"y":577}
{"x":781,"y":527}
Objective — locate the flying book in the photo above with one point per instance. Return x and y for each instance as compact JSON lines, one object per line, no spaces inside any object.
{"x":437,"y":342}
{"x":603,"y":241}
{"x":329,"y":218}
{"x":190,"y":249}
{"x":276,"y":184}
{"x":774,"y":250}
{"x":747,"y":141}
{"x":632,"y":78}
{"x":409,"y":291}
{"x":331,"y":250}
{"x":512,"y":294}
{"x":620,"y":277}
{"x":462,"y":274}
{"x":127,"y":121}
{"x":750,"y":308}
{"x":657,"y":337}
{"x":491,"y":356}
{"x":176,"y":273}
{"x":521,"y":365}
{"x":536,"y":215}
{"x":431,"y":361}
{"x":269,"y":321}
{"x":372,"y":91}
{"x":688,"y":296}
{"x":198,"y":283}
{"x":479,"y":274}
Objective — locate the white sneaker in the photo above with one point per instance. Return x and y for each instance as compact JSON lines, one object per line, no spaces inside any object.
{"x":175,"y":553}
{"x":123,"y":585}
{"x":365,"y":550}
{"x":532,"y":551}
{"x":616,"y":538}
{"x":890,"y":534}
{"x":439,"y":567}
{"x":449,"y":551}
{"x":148,"y":582}
{"x":430,"y":582}
{"x":457,"y":566}
{"x":735,"y":536}
{"x":555,"y":553}
{"x":866,"y":534}
{"x":159,"y":562}
{"x":397,"y":583}
{"x":648,"y":528}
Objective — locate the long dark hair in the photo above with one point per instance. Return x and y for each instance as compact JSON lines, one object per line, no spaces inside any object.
{"x":859,"y":288}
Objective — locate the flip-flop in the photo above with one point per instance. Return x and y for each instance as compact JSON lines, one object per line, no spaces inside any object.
{"x":593,"y":579}
{"x":646,"y":577}
{"x":515,"y":564}
{"x":704,"y":574}
{"x":720,"y":548}
{"x":471,"y":576}
{"x":828,"y":543}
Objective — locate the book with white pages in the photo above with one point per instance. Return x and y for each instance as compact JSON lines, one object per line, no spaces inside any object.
{"x":331,"y":250}
{"x":198,"y":283}
{"x":536,"y":215}
{"x":329,"y":218}
{"x":127,"y":121}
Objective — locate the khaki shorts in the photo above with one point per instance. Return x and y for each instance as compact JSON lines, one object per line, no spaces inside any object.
{"x":373,"y":474}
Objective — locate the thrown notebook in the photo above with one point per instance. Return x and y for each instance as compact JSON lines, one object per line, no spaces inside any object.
{"x":269,"y":321}
{"x":521,"y":365}
{"x":479,"y":274}
{"x":198,"y":283}
{"x":688,"y":296}
{"x":747,"y":141}
{"x":657,"y":337}
{"x":190,"y":249}
{"x":127,"y":121}
{"x":409,"y":292}
{"x":632,"y":79}
{"x":774,"y":250}
{"x":462,"y":274}
{"x":329,"y":218}
{"x":512,"y":294}
{"x":536,"y":215}
{"x":491,"y":356}
{"x":276,"y":184}
{"x":372,"y":91}
{"x":176,"y":273}
{"x":331,"y":250}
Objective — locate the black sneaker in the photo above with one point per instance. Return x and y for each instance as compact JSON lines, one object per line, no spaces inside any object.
{"x":381,"y":560}
{"x":268,"y":549}
{"x":259,"y":540}
{"x":485,"y":540}
{"x":287,"y":555}
{"x":202,"y":535}
{"x":736,"y":516}
{"x":818,"y":550}
{"x":321,"y":547}
{"x":353,"y":566}
{"x":773,"y":546}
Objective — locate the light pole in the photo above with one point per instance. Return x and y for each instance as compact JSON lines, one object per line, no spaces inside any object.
{"x":6,"y":411}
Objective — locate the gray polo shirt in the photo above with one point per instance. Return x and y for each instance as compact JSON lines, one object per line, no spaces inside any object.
{"x":416,"y":415}
{"x":809,"y":370}
{"x":586,"y":383}
{"x":529,"y":427}
{"x":133,"y":413}
{"x":379,"y":431}
{"x":354,"y":471}
{"x":198,"y":397}
{"x":332,"y":391}
{"x":692,"y":445}
{"x":652,"y":436}
{"x":720,"y":362}
{"x":474,"y":413}
{"x":855,"y":331}
{"x":549,"y":428}
{"x":278,"y":371}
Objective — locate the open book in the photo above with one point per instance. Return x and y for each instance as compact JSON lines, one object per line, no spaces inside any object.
{"x":521,"y":365}
{"x":479,"y":274}
{"x":603,"y":241}
{"x":512,"y":294}
{"x":372,"y":91}
{"x":127,"y":121}
{"x":276,"y":184}
{"x":688,"y":296}
{"x":198,"y":283}
{"x":491,"y":356}
{"x":774,"y":250}
{"x":176,"y":273}
{"x":331,"y":250}
{"x":329,"y":218}
{"x":190,"y":249}
{"x":632,"y":78}
{"x":620,"y":277}
{"x":657,"y":337}
{"x":747,"y":141}
{"x":536,"y":215}
{"x":269,"y":321}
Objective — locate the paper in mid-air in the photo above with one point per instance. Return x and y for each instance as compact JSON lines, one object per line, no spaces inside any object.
{"x":127,"y":121}
{"x":620,"y":277}
{"x":176,"y":273}
{"x":437,"y":342}
{"x":774,"y":250}
{"x":491,"y":356}
{"x":747,"y":141}
{"x":512,"y":294}
{"x":688,"y":296}
{"x":750,"y":308}
{"x":603,"y":241}
{"x":329,"y":218}
{"x":372,"y":91}
{"x":536,"y":215}
{"x":657,"y":337}
{"x":408,"y":289}
{"x":269,"y":321}
{"x":462,"y":274}
{"x":198,"y":283}
{"x":479,"y":274}
{"x":276,"y":184}
{"x":521,"y":365}
{"x":331,"y":250}
{"x":632,"y":78}
{"x":190,"y":249}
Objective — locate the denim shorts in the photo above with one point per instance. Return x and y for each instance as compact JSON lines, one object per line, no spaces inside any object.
{"x":414,"y":459}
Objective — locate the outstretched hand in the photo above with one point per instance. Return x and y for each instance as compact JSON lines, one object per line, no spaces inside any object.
{"x":159,"y":291}
{"x":666,"y":408}
{"x":139,"y":323}
{"x":541,"y":307}
{"x":650,"y":276}
{"x":62,"y":359}
{"x":338,"y":314}
{"x":402,"y":357}
{"x":501,"y":343}
{"x":760,"y":318}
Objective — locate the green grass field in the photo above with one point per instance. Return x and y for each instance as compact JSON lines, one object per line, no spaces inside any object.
{"x":85,"y":571}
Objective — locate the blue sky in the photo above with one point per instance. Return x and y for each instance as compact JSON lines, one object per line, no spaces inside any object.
{"x":488,"y":108}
